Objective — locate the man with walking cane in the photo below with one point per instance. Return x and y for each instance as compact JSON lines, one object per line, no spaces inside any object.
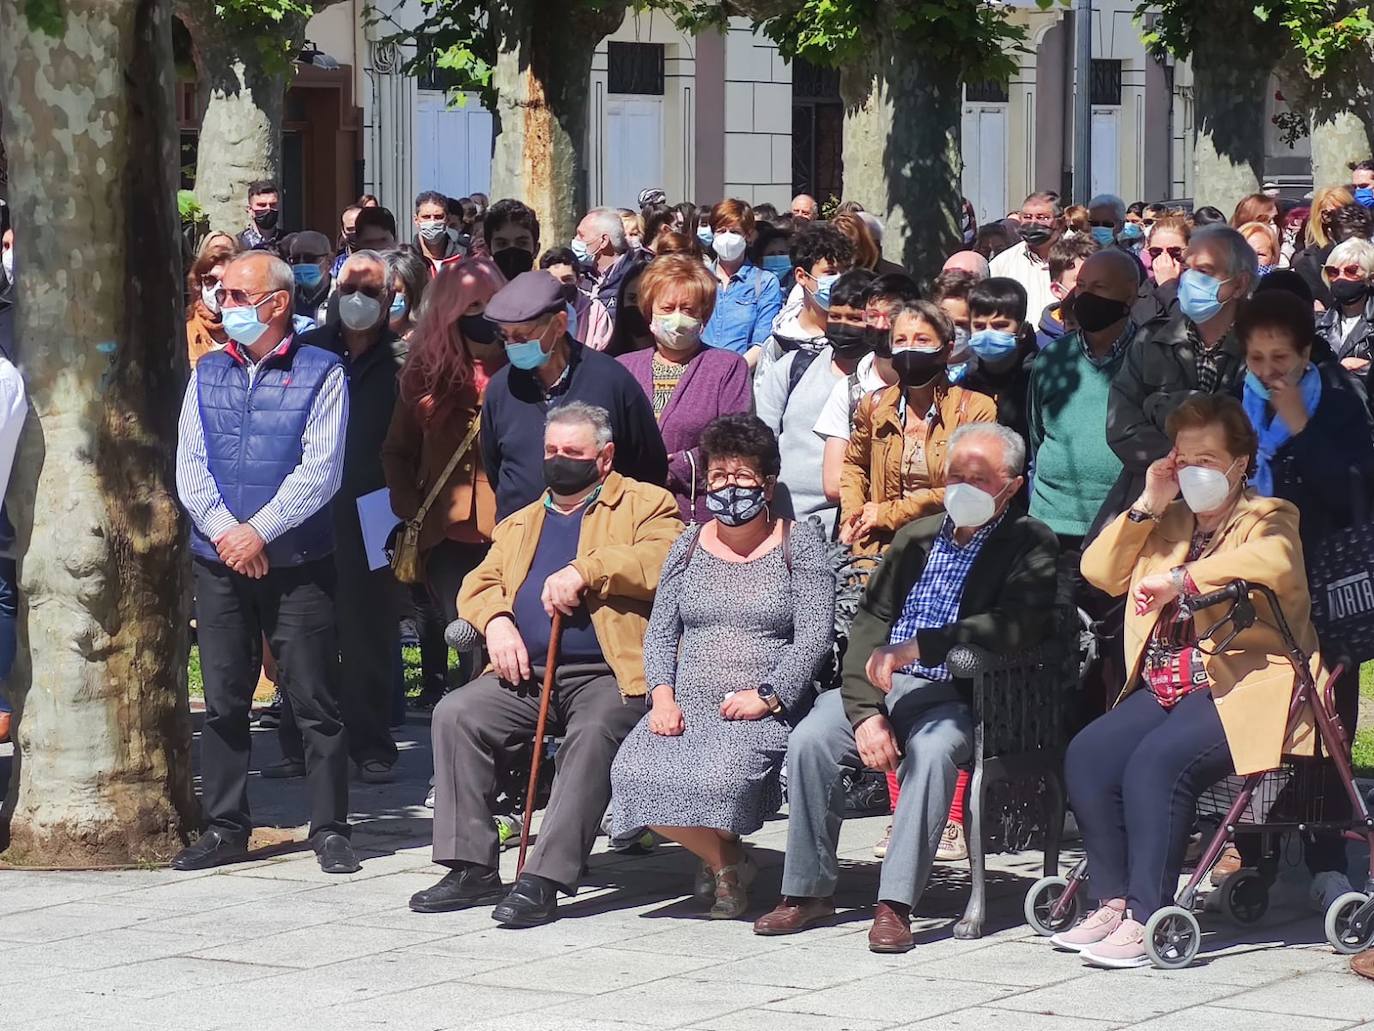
{"x":591,"y":549}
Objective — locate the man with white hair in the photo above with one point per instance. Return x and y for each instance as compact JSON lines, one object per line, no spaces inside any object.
{"x":260,"y":456}
{"x":1193,"y":352}
{"x":591,"y":548}
{"x":804,"y":208}
{"x":974,"y":574}
{"x":967,"y":261}
{"x":606,"y":261}
{"x":1040,"y":222}
{"x":1106,"y":216}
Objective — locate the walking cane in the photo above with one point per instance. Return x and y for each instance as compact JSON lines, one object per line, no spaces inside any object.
{"x":550,"y":660}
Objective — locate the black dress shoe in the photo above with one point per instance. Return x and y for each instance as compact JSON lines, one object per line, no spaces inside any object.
{"x":532,"y":902}
{"x":213,"y":848}
{"x":460,"y":889}
{"x":336,"y":855}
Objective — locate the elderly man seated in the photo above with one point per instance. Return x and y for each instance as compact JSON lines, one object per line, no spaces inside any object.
{"x":591,"y":548}
{"x":975,"y":574}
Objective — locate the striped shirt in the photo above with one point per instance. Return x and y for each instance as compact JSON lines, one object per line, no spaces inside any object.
{"x":934,"y":601}
{"x":306,"y":490}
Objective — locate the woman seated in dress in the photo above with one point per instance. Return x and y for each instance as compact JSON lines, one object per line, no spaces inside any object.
{"x":743,"y":615}
{"x":1189,"y":715}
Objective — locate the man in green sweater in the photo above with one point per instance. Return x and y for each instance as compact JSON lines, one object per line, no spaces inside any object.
{"x":1075,"y":467}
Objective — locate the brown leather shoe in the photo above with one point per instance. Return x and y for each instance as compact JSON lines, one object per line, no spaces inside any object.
{"x":794,"y":914}
{"x":891,"y":930}
{"x":1363,"y":964}
{"x":1227,"y":863}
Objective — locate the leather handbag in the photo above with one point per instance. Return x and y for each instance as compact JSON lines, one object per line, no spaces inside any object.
{"x":405,"y":556}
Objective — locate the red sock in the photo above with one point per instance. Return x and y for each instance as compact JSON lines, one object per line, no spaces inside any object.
{"x":956,"y":807}
{"x":892,"y":790}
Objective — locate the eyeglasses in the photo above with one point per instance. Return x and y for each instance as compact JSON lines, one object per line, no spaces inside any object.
{"x":1044,"y":219}
{"x":717,"y":479}
{"x":1174,"y":252}
{"x":243,"y":299}
{"x":1148,"y":223}
{"x":1343,"y":271}
{"x":503,"y":334}
{"x":209,"y":283}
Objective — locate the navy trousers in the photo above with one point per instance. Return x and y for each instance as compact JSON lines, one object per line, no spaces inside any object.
{"x":1134,"y":776}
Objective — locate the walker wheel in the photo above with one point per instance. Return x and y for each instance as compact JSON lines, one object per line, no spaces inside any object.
{"x":1338,"y":917}
{"x":1172,"y":938}
{"x":1040,"y":903}
{"x":1244,"y":895}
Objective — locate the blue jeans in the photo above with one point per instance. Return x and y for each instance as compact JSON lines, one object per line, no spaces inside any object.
{"x":9,"y":613}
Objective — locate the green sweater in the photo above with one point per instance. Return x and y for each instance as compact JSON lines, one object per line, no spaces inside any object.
{"x":1075,"y":468}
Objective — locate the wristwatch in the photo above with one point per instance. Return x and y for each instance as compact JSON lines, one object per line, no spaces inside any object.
{"x":769,"y":695}
{"x":1135,"y":515}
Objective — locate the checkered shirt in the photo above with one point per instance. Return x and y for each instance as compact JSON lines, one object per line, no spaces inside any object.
{"x":934,"y":601}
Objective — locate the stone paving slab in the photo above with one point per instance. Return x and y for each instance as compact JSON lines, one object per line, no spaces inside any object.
{"x":275,"y":944}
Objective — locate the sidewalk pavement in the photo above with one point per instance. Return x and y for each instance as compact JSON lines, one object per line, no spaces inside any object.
{"x":276,"y":944}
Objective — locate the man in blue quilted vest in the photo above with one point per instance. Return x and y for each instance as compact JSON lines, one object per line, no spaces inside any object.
{"x":259,"y":460}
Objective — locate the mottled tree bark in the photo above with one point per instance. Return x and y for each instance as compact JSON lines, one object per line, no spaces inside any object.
{"x":1342,"y":126}
{"x":543,"y":65}
{"x":243,"y":95}
{"x":901,"y":153}
{"x":103,"y":771}
{"x":1233,"y":56}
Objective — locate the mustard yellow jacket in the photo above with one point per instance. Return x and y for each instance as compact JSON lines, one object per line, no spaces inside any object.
{"x":626,"y":533}
{"x":1252,"y":681}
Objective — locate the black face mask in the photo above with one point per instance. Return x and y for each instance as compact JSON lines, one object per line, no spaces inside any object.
{"x":919,"y":368}
{"x":266,"y":219}
{"x":1034,"y":233}
{"x":880,"y":342}
{"x":848,"y":341}
{"x":477,"y":328}
{"x":512,"y":261}
{"x":1096,"y":313}
{"x":1348,"y":291}
{"x":566,"y":476}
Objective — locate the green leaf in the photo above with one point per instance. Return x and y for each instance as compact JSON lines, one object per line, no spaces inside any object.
{"x":46,"y":16}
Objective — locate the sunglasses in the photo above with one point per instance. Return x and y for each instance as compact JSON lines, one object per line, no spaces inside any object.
{"x":1343,"y":271}
{"x":1174,"y":252}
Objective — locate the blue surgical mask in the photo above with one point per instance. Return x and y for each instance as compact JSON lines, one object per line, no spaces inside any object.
{"x":1103,"y":235}
{"x":705,"y":235}
{"x":1132,"y":232}
{"x":572,"y":321}
{"x":821,"y":295}
{"x":1198,"y":295}
{"x":581,"y":251}
{"x":528,"y":354}
{"x":1364,"y":196}
{"x":243,"y":325}
{"x":992,"y":345}
{"x":1256,"y":385}
{"x":778,"y":264}
{"x":307,"y":275}
{"x":399,"y":304}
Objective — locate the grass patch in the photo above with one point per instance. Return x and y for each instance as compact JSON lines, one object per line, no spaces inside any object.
{"x":410,"y":658}
{"x":1362,"y":752}
{"x":195,"y":681}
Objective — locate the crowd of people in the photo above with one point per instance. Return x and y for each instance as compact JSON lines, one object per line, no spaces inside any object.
{"x":660,"y":436}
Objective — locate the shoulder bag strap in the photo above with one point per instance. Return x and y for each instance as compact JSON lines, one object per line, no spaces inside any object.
{"x":458,"y":454}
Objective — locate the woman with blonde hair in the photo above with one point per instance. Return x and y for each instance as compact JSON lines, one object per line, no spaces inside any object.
{"x":1263,"y":239}
{"x":204,"y":331}
{"x":866,"y":253}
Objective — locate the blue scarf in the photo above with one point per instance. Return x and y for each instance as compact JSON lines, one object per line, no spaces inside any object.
{"x":1272,"y":431}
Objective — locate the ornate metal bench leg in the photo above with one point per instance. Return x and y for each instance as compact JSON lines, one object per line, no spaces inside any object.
{"x":971,"y":926}
{"x":1054,"y":820}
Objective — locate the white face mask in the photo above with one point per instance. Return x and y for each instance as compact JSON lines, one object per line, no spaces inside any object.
{"x":729,"y":245}
{"x":677,"y":331}
{"x":7,"y":261}
{"x":1204,"y":490}
{"x":209,"y":296}
{"x":358,"y":311}
{"x":970,"y":506}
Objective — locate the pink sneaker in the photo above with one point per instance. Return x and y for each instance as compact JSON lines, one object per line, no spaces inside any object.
{"x":1090,"y":930}
{"x":1122,"y":949}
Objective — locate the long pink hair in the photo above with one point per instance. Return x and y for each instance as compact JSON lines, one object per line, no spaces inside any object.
{"x":438,"y":372}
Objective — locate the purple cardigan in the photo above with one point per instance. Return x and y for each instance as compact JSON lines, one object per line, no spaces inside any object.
{"x":717,"y":382}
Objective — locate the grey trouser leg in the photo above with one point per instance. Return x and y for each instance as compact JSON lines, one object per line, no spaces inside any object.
{"x":937,"y":737}
{"x":477,"y":726}
{"x":818,"y":750}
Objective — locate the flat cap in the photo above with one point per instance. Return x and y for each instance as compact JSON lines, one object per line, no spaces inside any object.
{"x":527,"y":297}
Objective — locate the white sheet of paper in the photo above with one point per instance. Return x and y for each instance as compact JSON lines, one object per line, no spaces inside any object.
{"x":377,"y":521}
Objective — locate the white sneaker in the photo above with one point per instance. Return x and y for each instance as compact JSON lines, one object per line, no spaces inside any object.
{"x":1326,"y":887}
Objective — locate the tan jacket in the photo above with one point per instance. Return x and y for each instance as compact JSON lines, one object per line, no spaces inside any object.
{"x":413,"y":457}
{"x":626,"y":534}
{"x":1252,"y":681}
{"x":873,"y":461}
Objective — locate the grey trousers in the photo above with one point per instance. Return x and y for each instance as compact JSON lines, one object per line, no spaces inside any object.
{"x":483,"y":723}
{"x":934,"y":728}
